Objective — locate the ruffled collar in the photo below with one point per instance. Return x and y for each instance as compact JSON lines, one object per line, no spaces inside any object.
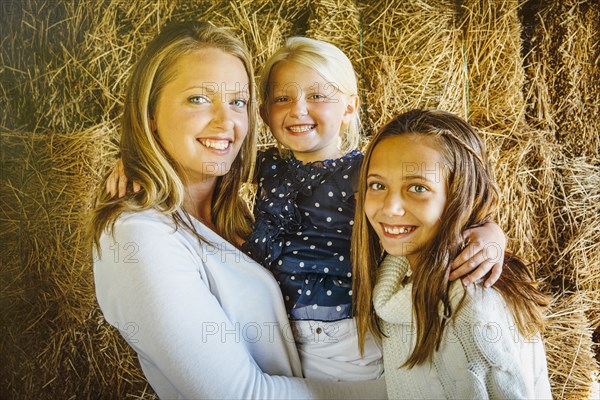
{"x":325,"y":164}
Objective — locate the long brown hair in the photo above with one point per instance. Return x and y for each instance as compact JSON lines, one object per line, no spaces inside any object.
{"x":472,"y":199}
{"x":144,"y":157}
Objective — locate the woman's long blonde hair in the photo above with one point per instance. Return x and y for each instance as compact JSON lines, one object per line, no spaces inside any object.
{"x":472,"y":199}
{"x":145,"y":159}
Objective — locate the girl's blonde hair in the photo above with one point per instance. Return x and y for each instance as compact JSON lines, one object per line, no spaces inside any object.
{"x":472,"y":199}
{"x":145,"y":159}
{"x":329,"y":62}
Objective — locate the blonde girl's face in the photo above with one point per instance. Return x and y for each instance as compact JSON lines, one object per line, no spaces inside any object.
{"x":201,"y":114}
{"x":406,"y":193}
{"x":305,"y":113}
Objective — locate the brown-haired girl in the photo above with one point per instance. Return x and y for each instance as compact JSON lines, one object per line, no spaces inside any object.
{"x":424,"y":180}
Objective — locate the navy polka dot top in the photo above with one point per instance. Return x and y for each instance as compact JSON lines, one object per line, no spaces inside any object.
{"x":304,"y":216}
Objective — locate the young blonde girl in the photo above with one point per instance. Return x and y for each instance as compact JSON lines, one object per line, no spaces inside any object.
{"x":425,"y":179}
{"x":305,"y":204}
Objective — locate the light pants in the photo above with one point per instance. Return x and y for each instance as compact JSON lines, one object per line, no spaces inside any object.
{"x":329,"y":351}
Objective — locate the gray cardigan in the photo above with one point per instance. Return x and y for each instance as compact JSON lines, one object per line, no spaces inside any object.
{"x":482,"y":354}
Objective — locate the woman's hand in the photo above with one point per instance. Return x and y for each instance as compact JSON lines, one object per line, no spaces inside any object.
{"x":117,"y":181}
{"x":484,"y":252}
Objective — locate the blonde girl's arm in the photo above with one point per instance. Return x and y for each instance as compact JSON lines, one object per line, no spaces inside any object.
{"x":484,"y":253}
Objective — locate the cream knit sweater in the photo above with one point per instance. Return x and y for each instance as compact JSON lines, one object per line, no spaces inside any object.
{"x":481,"y":356}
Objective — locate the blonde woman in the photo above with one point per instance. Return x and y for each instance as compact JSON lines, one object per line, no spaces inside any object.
{"x":424,"y":180}
{"x":205,"y":321}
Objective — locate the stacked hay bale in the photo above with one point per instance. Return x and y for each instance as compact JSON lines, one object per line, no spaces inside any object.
{"x":492,"y":43}
{"x":564,"y":88}
{"x":412,"y":59}
{"x":55,"y":340}
{"x":530,"y":206}
{"x":64,"y":69}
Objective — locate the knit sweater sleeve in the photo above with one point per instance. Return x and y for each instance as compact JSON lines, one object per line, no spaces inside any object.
{"x":493,"y":347}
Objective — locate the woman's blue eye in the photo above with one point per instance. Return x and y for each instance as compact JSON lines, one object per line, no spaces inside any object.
{"x":418,"y":189}
{"x":239,"y":103}
{"x":198,"y":99}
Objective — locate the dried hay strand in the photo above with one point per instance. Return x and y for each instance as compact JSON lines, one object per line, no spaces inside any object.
{"x":515,"y":158}
{"x":492,"y":45}
{"x":47,"y":189}
{"x":568,"y":342}
{"x":564,"y":73}
{"x":412,"y":59}
{"x":338,"y":22}
{"x":577,"y":219}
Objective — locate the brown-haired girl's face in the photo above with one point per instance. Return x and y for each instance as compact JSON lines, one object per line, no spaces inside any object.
{"x":406,"y":193}
{"x":201,"y":114}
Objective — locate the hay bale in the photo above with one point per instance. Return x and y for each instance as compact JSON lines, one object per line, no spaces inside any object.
{"x":568,"y":343}
{"x":68,"y":64}
{"x":577,"y":219}
{"x":54,"y":339}
{"x":492,"y":40}
{"x":514,"y":156}
{"x":338,"y":22}
{"x":564,"y":73}
{"x":412,"y":59}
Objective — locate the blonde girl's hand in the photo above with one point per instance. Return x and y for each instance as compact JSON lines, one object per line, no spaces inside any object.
{"x":484,"y":252}
{"x":117,"y":181}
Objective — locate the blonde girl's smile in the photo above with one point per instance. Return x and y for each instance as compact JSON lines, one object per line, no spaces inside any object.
{"x":305,"y":113}
{"x":300,"y":129}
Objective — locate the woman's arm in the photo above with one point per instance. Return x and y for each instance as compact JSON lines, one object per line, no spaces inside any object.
{"x":484,"y":252}
{"x":150,"y":286}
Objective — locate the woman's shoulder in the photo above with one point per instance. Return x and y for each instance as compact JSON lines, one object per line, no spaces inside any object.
{"x":148,"y":226}
{"x":149,"y":218}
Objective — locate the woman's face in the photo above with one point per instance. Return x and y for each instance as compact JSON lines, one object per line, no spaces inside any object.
{"x":201,"y":113}
{"x":406,"y":193}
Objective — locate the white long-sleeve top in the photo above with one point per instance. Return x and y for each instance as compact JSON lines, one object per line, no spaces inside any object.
{"x":204,"y":320}
{"x":482,"y":355}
